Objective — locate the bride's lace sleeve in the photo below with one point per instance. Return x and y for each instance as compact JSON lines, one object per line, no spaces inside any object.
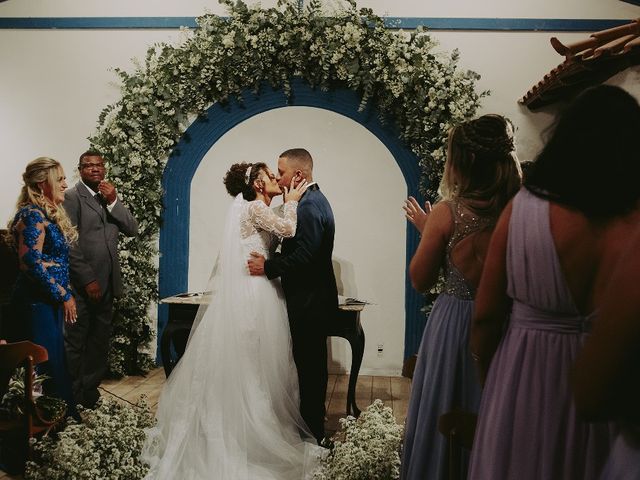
{"x":266,"y":219}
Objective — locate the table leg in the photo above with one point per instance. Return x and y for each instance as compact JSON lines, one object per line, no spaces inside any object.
{"x":356,"y":340}
{"x":165,"y":349}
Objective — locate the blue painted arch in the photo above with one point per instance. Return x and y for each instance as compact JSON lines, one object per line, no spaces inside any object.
{"x":219,"y":119}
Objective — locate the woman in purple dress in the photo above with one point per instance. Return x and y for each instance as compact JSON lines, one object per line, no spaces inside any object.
{"x":606,"y":383}
{"x":549,"y":261}
{"x":481,"y":175}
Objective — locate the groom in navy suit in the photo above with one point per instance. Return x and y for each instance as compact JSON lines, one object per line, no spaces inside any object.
{"x":309,"y":284}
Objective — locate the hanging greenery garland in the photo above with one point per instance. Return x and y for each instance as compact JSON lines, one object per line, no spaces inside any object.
{"x":419,"y":91}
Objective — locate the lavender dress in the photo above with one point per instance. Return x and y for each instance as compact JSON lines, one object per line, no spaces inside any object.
{"x":444,"y":377}
{"x":624,"y":460}
{"x":527,"y":425}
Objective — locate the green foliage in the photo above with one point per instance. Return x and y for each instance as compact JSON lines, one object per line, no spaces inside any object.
{"x":12,"y":404}
{"x":419,"y":91}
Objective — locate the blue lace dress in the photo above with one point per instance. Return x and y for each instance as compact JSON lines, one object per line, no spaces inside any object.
{"x":41,"y":288}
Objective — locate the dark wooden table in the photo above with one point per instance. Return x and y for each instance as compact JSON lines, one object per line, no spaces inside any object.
{"x":183,"y":309}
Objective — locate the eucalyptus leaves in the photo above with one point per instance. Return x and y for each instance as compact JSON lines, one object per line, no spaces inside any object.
{"x":420,"y":92}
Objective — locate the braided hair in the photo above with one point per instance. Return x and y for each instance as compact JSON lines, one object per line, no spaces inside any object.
{"x":240,"y":178}
{"x":481,"y":163}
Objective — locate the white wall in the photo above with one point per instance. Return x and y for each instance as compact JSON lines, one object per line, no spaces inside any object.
{"x":115,"y":8}
{"x":604,"y":9}
{"x":405,"y":8}
{"x":54,"y":83}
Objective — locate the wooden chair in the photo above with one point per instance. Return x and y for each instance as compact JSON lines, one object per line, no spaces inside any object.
{"x":8,"y":276}
{"x":459,"y":427}
{"x":13,"y":356}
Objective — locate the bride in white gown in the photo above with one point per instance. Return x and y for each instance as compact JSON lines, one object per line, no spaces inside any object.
{"x":230,"y":409}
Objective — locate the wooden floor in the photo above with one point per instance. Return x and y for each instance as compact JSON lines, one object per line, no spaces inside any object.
{"x":393,"y":391}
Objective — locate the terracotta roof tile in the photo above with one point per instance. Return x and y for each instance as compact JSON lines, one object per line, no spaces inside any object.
{"x":587,"y":62}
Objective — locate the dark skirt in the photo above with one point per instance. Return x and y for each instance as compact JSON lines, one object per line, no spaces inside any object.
{"x":43,"y":323}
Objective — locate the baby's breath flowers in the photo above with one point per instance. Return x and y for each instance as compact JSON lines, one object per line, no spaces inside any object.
{"x":418,"y":91}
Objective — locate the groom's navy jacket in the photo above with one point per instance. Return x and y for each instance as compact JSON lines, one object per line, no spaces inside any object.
{"x":305,"y":265}
{"x":309,"y":285}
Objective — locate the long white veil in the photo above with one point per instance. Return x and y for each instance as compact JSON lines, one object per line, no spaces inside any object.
{"x":230,"y":408}
{"x":231,"y":289}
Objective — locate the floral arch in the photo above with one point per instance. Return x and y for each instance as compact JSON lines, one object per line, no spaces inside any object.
{"x":396,"y":78}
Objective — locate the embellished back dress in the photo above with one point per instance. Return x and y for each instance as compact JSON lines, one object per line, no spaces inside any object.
{"x":528,"y":427}
{"x":445,"y":376}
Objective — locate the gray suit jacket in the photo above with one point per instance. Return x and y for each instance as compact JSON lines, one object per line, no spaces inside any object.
{"x":95,"y":255}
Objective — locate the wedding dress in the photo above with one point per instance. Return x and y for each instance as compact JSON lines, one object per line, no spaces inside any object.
{"x":230,"y":408}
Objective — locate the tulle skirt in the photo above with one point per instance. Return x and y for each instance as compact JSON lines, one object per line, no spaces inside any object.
{"x":230,"y":409}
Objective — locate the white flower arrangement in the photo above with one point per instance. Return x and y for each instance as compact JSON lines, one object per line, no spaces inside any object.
{"x":106,"y":445}
{"x":367,"y":448}
{"x":419,"y":91}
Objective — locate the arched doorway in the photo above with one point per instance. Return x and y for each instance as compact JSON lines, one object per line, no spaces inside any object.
{"x":204,"y":132}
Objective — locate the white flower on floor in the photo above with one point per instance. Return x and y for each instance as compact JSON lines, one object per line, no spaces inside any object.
{"x":105,"y":446}
{"x":366,"y":448}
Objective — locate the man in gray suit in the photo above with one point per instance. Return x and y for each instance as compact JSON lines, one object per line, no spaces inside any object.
{"x":93,"y":206}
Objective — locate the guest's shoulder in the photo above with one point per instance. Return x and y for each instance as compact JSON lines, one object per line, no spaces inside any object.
{"x":72,"y":190}
{"x":71,"y":195}
{"x":30,"y":214}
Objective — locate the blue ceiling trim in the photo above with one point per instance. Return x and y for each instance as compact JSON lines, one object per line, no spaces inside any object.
{"x":508,"y":24}
{"x":93,"y":23}
{"x":407,"y":23}
{"x":202,"y":135}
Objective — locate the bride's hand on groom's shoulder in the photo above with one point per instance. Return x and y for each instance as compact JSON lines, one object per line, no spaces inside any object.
{"x":294,"y":192}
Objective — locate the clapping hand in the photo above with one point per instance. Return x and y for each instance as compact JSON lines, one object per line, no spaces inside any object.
{"x":415,"y":214}
{"x":295,"y":192}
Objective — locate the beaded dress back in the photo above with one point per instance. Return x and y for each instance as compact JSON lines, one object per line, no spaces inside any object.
{"x":466,"y":222}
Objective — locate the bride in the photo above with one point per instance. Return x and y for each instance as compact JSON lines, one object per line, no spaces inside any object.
{"x":230,"y":409}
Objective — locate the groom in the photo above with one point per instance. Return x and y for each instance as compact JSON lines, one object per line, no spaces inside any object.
{"x":309,"y":284}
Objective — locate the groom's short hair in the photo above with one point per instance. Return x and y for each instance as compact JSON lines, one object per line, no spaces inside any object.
{"x":300,"y":157}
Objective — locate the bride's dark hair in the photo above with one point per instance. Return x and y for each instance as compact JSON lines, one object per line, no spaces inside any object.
{"x":237,"y":182}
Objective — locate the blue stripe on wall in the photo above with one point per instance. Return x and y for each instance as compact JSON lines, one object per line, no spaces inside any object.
{"x":203,"y":133}
{"x":407,"y":23}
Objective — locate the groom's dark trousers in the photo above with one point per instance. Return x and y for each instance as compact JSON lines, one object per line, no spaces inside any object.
{"x":309,"y":284}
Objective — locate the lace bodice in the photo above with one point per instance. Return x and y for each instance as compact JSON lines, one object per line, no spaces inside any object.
{"x":46,"y":267}
{"x":261,"y":228}
{"x":465,"y":223}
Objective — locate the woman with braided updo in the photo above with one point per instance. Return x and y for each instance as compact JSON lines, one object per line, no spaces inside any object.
{"x":481,"y":174}
{"x":550,"y":260}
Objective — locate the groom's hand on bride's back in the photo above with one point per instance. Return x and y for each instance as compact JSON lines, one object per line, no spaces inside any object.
{"x":256,"y":264}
